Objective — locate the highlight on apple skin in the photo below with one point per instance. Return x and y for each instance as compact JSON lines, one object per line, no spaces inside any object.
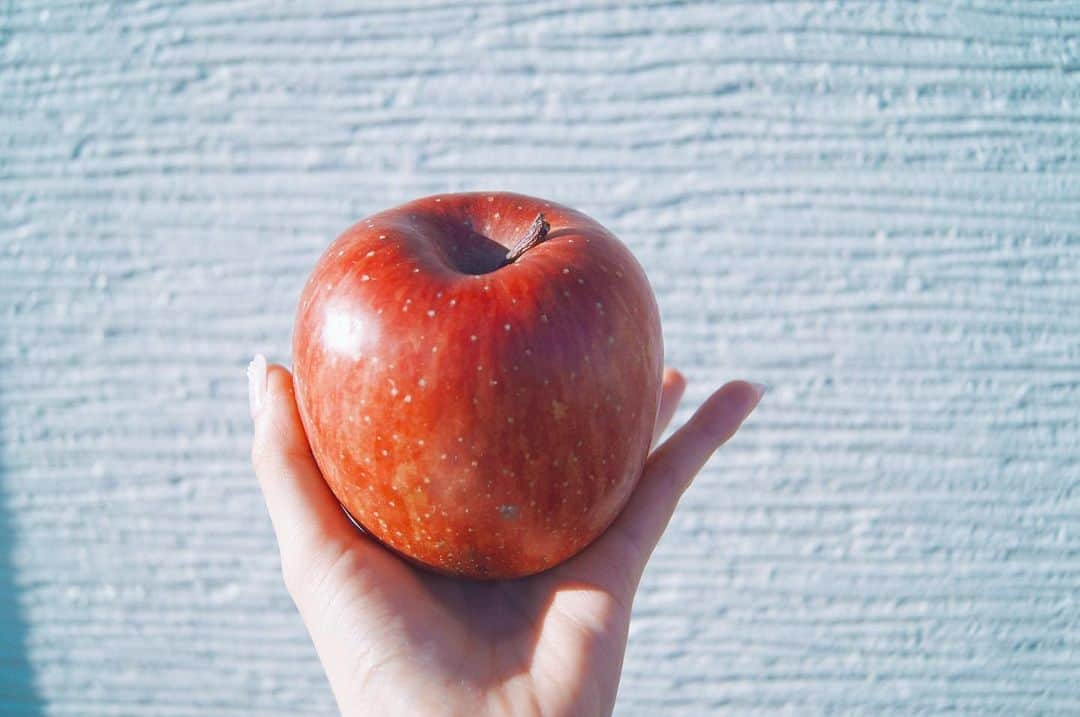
{"x":479,"y":375}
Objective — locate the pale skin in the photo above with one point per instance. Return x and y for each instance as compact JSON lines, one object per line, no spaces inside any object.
{"x":398,"y":640}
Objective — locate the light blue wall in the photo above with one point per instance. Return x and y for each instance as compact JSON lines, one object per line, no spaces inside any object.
{"x":871,"y":206}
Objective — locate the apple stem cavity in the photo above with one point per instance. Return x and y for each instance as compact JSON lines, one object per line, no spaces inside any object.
{"x":537,"y":233}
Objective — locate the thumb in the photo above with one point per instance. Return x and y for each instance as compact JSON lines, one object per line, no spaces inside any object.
{"x":308,"y":521}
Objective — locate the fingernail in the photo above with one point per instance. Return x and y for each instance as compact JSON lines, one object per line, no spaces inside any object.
{"x":256,"y":373}
{"x":761,"y":388}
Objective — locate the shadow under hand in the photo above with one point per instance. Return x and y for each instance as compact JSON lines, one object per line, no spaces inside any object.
{"x":18,"y":694}
{"x":485,"y":633}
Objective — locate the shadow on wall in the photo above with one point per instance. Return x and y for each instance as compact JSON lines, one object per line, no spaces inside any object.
{"x":18,"y":695}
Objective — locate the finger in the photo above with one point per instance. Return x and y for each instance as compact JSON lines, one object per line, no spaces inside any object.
{"x":670,"y":394}
{"x":671,"y":468}
{"x":307,"y":518}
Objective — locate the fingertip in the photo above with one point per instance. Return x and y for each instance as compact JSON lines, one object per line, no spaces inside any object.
{"x":674,"y":380}
{"x":279,"y":383}
{"x":724,"y":411}
{"x":750,"y":393}
{"x":279,"y":433}
{"x":671,"y":392}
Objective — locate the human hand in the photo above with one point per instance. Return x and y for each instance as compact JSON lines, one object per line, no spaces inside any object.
{"x":397,"y":640}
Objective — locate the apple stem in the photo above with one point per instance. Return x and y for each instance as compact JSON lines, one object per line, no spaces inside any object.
{"x":537,"y":233}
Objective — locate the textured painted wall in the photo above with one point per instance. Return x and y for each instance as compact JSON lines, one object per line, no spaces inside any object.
{"x":873,"y":206}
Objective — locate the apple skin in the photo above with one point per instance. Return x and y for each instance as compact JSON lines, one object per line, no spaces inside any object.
{"x":488,"y":425}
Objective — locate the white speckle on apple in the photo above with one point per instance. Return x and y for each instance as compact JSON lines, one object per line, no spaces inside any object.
{"x":544,"y":318}
{"x":382,"y":236}
{"x":385,"y":452}
{"x":365,"y":277}
{"x":431,"y":312}
{"x":420,"y":441}
{"x":453,"y":302}
{"x":506,"y":327}
{"x":370,"y":253}
{"x":422,"y":382}
{"x":566,"y":271}
{"x":408,"y":398}
{"x":472,"y":338}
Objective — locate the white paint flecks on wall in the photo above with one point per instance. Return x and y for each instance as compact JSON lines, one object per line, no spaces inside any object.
{"x":870,"y":206}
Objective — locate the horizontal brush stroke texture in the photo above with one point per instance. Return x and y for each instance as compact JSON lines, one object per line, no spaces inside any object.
{"x":870,"y":206}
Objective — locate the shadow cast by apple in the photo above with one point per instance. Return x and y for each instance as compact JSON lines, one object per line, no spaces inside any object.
{"x":18,"y":694}
{"x":503,"y":617}
{"x":509,"y":616}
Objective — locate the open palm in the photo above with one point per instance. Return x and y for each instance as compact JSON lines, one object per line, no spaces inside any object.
{"x":398,"y":640}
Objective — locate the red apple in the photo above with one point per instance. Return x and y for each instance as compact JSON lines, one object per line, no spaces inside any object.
{"x":484,"y":415}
